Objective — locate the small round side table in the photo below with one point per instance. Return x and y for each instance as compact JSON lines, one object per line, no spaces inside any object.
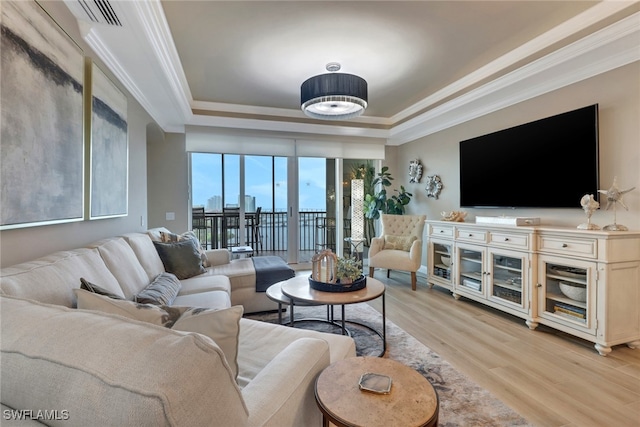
{"x":412,"y":400}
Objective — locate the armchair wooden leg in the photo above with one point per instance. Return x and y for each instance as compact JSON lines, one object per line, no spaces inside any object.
{"x":370,"y":271}
{"x":413,"y":280}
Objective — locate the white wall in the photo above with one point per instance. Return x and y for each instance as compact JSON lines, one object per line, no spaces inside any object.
{"x":618,"y":95}
{"x":168,"y":177}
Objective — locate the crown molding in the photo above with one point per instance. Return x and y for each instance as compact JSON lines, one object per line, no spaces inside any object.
{"x":591,"y":16}
{"x":602,"y":51}
{"x":143,"y":57}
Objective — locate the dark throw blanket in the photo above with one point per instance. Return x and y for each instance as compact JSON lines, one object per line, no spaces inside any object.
{"x":270,"y":270}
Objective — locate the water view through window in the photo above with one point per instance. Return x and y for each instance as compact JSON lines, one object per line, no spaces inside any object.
{"x":216,"y":185}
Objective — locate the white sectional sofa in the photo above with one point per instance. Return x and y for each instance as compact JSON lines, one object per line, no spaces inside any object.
{"x":62,"y":365}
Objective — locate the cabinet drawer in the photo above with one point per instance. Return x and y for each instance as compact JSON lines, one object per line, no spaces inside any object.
{"x":470,"y":235}
{"x":442,"y":231}
{"x":518,"y":241}
{"x":561,"y":246}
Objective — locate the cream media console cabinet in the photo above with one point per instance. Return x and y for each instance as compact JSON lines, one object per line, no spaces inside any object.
{"x":582,"y":282}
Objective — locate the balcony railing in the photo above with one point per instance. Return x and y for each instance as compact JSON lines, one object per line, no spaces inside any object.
{"x":315,"y":230}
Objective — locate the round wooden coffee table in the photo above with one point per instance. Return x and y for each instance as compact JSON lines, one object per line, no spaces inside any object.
{"x":412,"y":400}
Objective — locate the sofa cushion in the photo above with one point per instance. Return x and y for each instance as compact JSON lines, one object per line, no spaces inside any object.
{"x":88,"y":286}
{"x":146,"y":252}
{"x":51,"y":279}
{"x":181,"y":258}
{"x":162,"y":291}
{"x":123,"y":263}
{"x":204,"y":283}
{"x":401,"y":243}
{"x":222,"y":325}
{"x":261,"y":342}
{"x":209,"y":299}
{"x":130,"y":373}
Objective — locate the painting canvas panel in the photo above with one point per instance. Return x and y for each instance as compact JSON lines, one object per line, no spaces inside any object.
{"x":42,"y":145}
{"x":109,"y":147}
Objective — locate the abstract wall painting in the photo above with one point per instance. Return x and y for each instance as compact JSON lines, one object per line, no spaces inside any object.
{"x":109,"y":147}
{"x":42,"y":144}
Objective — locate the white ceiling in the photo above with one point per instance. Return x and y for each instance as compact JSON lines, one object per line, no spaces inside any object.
{"x":428,"y":64}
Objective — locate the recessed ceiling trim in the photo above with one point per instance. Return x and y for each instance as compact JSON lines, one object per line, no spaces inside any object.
{"x":279,"y":126}
{"x":595,"y":14}
{"x":271,"y":111}
{"x":151,"y":70}
{"x":617,"y":44}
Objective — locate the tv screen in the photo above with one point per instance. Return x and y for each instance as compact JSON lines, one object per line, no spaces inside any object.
{"x":549,"y":163}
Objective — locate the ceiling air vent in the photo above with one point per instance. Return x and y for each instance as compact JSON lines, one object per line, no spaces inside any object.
{"x":98,"y":11}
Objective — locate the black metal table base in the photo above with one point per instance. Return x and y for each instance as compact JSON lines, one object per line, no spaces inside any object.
{"x":341,"y":323}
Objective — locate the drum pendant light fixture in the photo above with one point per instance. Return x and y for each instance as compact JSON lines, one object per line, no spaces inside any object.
{"x":333,"y":96}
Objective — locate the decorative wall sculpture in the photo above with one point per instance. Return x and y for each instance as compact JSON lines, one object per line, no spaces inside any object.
{"x":109,"y":147}
{"x":41,"y":170}
{"x":415,"y":171}
{"x":434,"y":186}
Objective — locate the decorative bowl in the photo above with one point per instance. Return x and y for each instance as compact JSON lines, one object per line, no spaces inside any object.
{"x":574,"y":291}
{"x":446,"y":260}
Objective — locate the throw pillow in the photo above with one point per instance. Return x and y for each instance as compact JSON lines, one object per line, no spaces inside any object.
{"x":222,"y":326}
{"x":88,"y":286}
{"x":145,"y":312}
{"x":401,"y":243}
{"x":162,"y":291}
{"x":180,"y":258}
{"x":169,"y":237}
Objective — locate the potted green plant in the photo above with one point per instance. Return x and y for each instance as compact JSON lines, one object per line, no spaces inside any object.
{"x":380,"y":202}
{"x":348,"y":270}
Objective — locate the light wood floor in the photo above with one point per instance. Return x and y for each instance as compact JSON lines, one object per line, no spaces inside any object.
{"x":550,"y":378}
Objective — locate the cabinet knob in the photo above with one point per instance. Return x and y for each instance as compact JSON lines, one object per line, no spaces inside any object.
{"x":539,"y":285}
{"x":470,"y":235}
{"x":564,"y":245}
{"x":506,"y":239}
{"x":442,"y":231}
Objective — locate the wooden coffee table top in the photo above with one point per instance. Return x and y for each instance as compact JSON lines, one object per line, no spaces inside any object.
{"x":298,"y":289}
{"x":411,"y":402}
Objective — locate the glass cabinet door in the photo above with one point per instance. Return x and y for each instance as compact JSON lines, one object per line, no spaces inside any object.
{"x":442,"y":260}
{"x":567,"y":293}
{"x":470,"y":270}
{"x":506,"y":280}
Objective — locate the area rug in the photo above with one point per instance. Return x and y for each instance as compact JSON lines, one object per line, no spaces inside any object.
{"x":463,"y":403}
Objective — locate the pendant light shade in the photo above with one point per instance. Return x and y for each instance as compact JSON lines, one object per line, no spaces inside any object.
{"x":333,"y":96}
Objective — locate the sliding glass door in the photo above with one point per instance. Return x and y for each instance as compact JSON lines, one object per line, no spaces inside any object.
{"x":283,"y":206}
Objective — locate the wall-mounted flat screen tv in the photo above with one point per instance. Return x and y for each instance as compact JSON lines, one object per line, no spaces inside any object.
{"x":548,"y":163}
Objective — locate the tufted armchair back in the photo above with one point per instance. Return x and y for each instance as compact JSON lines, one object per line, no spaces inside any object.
{"x":402,"y":251}
{"x":403,"y":225}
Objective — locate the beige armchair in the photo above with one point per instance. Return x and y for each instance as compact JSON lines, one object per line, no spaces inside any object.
{"x":399,"y":246}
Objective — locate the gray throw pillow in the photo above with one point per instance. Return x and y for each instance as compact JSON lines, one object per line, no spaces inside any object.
{"x":162,"y":291}
{"x":180,"y":258}
{"x":88,"y":286}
